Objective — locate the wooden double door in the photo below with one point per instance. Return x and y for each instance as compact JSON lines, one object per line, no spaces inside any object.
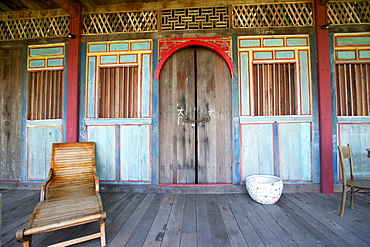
{"x":195,"y":118}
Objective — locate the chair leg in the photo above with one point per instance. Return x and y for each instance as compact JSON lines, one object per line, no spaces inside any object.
{"x":344,"y":193}
{"x":352,"y":198}
{"x":102,"y":234}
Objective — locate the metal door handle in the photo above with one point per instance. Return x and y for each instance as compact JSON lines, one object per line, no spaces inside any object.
{"x":206,"y":118}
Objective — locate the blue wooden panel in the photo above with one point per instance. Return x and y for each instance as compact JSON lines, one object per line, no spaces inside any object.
{"x":273,"y":42}
{"x":284,"y":54}
{"x":91,"y":87}
{"x":39,"y":143}
{"x":358,"y":135}
{"x":146,"y":84}
{"x":135,"y":153}
{"x":37,"y":63}
{"x":46,"y":51}
{"x":109,"y":59}
{"x":131,"y":58}
{"x":295,"y":151}
{"x":363,"y":54}
{"x":137,"y":46}
{"x":98,"y":48}
{"x":104,"y":137}
{"x":305,"y":82}
{"x":262,"y":55}
{"x":257,"y":149}
{"x":346,"y":54}
{"x":55,"y":62}
{"x":296,"y":42}
{"x":244,"y":78}
{"x":352,"y":41}
{"x":118,"y":47}
{"x":250,"y":43}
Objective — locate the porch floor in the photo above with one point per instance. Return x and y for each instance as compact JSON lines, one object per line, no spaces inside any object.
{"x":148,"y":219}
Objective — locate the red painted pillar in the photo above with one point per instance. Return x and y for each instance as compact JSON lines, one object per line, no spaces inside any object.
{"x":325,"y":99}
{"x":73,"y":69}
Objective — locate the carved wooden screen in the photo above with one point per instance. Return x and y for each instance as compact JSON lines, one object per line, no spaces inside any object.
{"x":119,"y":93}
{"x":353,"y":89}
{"x":274,"y":89}
{"x":45,"y":94}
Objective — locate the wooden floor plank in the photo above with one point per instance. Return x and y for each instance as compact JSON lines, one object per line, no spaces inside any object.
{"x":204,"y":235}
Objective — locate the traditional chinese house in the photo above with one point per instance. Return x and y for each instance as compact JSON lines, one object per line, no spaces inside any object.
{"x":186,"y":92}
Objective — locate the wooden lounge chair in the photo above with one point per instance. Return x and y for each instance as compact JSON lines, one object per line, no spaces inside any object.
{"x":345,"y":152}
{"x":69,"y":197}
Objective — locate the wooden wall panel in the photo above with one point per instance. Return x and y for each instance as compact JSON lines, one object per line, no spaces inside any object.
{"x":135,"y":153}
{"x":257,"y":149}
{"x":295,"y":151}
{"x":105,"y":149}
{"x":358,"y":135}
{"x":10,"y":114}
{"x":39,"y":143}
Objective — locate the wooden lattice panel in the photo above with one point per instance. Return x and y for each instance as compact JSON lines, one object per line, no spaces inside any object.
{"x":195,"y":18}
{"x":273,"y":15}
{"x":34,"y":28}
{"x":104,"y":23}
{"x":349,"y":12}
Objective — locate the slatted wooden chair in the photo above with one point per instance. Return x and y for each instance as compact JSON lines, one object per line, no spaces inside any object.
{"x":69,"y":197}
{"x":355,"y":185}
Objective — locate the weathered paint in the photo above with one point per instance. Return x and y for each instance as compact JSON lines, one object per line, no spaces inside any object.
{"x":135,"y":153}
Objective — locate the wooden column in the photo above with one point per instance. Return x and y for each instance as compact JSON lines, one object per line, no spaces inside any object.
{"x":73,"y":70}
{"x":325,"y":99}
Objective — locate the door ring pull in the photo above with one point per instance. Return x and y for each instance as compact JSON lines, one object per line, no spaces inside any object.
{"x":206,"y":118}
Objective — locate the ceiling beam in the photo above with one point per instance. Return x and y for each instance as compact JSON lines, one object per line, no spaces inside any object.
{"x":67,"y":7}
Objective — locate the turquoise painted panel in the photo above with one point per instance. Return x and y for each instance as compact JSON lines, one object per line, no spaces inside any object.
{"x":98,"y":48}
{"x":284,"y":54}
{"x":353,"y":41}
{"x":91,"y":87}
{"x":358,"y":135}
{"x":363,"y":54}
{"x":257,"y":150}
{"x":250,"y":43}
{"x":105,"y":155}
{"x":262,"y":55}
{"x":295,"y":151}
{"x":145,"y":73}
{"x":136,"y":46}
{"x":305,"y":82}
{"x":39,"y":145}
{"x":273,"y":42}
{"x":244,"y":77}
{"x":346,"y":54}
{"x":297,"y":42}
{"x":55,"y":62}
{"x":46,"y":51}
{"x":37,"y":63}
{"x":135,"y":153}
{"x":128,"y":58}
{"x":109,"y":59}
{"x":118,"y":47}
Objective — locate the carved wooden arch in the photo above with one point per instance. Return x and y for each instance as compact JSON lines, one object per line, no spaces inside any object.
{"x":191,"y":43}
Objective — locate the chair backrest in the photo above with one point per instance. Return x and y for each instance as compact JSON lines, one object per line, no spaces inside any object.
{"x":345,"y":152}
{"x":73,"y":170}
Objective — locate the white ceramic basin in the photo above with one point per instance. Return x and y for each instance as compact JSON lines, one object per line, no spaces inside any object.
{"x":264,"y":189}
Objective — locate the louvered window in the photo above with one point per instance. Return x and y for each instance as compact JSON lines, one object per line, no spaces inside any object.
{"x":274,"y":89}
{"x":45,"y":94}
{"x":119,"y":93}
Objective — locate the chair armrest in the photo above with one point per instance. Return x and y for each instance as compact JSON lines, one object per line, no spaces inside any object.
{"x":45,"y":185}
{"x":96,"y":180}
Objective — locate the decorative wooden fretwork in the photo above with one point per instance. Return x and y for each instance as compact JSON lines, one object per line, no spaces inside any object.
{"x":274,"y":89}
{"x":195,"y":18}
{"x":119,"y":92}
{"x":273,"y":15}
{"x":105,"y":23}
{"x":14,"y":29}
{"x":341,"y":13}
{"x":45,"y":94}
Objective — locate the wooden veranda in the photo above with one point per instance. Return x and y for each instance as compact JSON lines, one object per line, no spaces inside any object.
{"x":231,"y":219}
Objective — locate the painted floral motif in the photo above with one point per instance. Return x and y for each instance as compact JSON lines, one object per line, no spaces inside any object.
{"x":264,"y":189}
